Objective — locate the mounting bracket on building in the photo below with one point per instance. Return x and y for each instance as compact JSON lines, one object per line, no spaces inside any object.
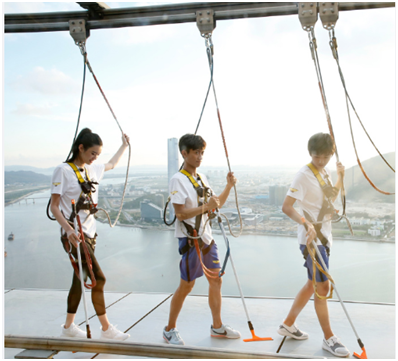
{"x":206,"y":22}
{"x":78,"y":31}
{"x":329,"y":14}
{"x":308,"y":15}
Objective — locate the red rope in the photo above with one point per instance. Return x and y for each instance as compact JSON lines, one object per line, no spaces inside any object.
{"x":206,"y":271}
{"x":88,"y":258}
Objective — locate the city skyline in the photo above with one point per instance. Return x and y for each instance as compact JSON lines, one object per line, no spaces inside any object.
{"x":155,"y":78}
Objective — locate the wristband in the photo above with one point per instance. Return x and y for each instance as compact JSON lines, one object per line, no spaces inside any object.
{"x":303,"y":220}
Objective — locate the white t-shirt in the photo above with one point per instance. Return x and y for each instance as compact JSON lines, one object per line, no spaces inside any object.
{"x":66,"y":184}
{"x":183,"y":192}
{"x":306,"y":189}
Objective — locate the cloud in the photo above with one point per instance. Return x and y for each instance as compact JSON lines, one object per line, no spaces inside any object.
{"x":33,"y":110}
{"x":45,"y":111}
{"x":47,"y":82}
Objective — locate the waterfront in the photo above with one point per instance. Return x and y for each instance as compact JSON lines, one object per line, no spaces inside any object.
{"x":147,"y":260}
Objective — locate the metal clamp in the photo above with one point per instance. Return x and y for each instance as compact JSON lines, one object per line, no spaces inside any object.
{"x":308,"y":15}
{"x":329,"y":13}
{"x":78,"y":31}
{"x":209,"y":43}
{"x":206,"y":22}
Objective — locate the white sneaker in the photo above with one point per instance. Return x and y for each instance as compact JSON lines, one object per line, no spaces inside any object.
{"x":173,"y":337}
{"x":335,"y":347}
{"x":292,"y":331}
{"x":112,"y":333}
{"x":224,"y":331}
{"x":73,"y":331}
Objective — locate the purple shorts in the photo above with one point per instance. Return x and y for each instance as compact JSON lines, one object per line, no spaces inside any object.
{"x":320,"y":277}
{"x":190,"y":267}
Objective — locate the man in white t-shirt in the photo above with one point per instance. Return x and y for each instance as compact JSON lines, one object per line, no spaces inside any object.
{"x":311,"y":198}
{"x":189,"y":203}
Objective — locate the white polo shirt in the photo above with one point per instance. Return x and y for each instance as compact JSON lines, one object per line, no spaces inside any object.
{"x":66,"y":184}
{"x":183,"y":192}
{"x":306,"y":189}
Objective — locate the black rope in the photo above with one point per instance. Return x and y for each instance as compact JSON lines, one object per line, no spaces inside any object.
{"x":314,"y":54}
{"x":121,"y":130}
{"x":211,"y":65}
{"x":74,"y":138}
{"x":333,"y":46}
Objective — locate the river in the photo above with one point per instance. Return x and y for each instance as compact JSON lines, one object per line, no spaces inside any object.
{"x":145,"y":260}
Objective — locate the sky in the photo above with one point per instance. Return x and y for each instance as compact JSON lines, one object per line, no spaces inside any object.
{"x":156,"y":77}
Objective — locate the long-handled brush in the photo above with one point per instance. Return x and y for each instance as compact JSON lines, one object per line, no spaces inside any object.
{"x":361,"y":345}
{"x":79,"y":257}
{"x":254,"y":338}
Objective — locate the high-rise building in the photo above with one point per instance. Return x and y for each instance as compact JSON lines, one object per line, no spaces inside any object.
{"x":277,"y":194}
{"x":172,"y":166}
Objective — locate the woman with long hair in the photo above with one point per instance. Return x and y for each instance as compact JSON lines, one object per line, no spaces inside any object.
{"x":65,"y":187}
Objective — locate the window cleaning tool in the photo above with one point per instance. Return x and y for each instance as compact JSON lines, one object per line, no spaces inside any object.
{"x":361,"y":345}
{"x":254,"y":338}
{"x":79,"y":257}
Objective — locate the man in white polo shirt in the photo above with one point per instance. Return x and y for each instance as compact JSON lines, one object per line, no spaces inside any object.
{"x":187,"y":202}
{"x":307,"y":191}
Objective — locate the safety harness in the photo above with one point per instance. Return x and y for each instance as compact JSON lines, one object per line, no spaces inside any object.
{"x":202,"y":192}
{"x":85,"y":201}
{"x":327,"y":207}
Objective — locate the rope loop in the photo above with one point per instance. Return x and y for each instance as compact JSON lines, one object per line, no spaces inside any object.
{"x":333,"y":46}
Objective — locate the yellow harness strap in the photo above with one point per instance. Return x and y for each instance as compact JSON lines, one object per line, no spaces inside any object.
{"x":78,"y":174}
{"x":193,"y":181}
{"x":317,"y":175}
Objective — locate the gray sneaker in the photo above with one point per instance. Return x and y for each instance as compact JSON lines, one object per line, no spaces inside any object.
{"x":335,"y":347}
{"x":224,"y":331}
{"x":295,"y":333}
{"x":173,"y":337}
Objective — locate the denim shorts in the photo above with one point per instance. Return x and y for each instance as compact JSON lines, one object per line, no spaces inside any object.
{"x":190,"y":267}
{"x":320,"y":277}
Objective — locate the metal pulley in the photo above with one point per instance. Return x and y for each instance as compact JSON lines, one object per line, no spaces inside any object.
{"x":78,"y":31}
{"x":206,"y":22}
{"x":329,"y":14}
{"x":308,"y":15}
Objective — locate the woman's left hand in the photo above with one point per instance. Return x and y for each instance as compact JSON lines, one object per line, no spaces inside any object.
{"x":125,"y":140}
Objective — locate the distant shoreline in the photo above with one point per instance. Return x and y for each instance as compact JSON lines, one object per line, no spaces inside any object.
{"x":25,"y":195}
{"x":249,"y":233}
{"x":378,"y":240}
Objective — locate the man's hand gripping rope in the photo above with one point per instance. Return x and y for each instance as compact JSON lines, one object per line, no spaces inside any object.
{"x":311,"y":237}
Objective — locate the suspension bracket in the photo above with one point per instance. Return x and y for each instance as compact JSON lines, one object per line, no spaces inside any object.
{"x":205,"y":21}
{"x":78,"y":31}
{"x":329,"y":14}
{"x":308,"y":15}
